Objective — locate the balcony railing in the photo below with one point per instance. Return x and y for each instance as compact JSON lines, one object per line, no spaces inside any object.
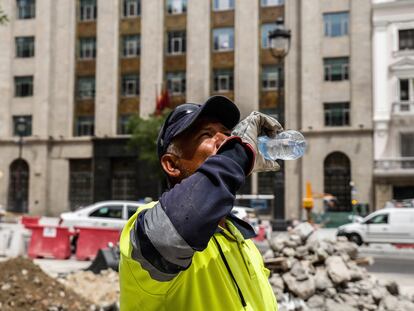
{"x":394,"y":164}
{"x":403,"y":108}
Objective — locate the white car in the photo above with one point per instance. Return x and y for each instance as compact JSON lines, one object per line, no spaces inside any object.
{"x":243,"y":212}
{"x":388,"y":225}
{"x":108,"y":214}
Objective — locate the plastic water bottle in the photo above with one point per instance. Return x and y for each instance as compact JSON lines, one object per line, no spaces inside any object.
{"x":287,"y":145}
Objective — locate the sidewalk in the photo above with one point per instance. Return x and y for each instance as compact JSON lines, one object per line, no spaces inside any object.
{"x":54,"y":267}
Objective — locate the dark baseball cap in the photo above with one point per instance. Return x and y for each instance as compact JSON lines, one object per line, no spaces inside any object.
{"x":185,"y":115}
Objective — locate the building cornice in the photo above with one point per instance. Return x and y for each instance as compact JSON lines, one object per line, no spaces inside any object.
{"x":392,"y":4}
{"x":337,"y":131}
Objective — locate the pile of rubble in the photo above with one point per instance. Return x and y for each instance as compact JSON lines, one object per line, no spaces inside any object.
{"x":25,"y":287}
{"x":309,"y":274}
{"x":102,"y":289}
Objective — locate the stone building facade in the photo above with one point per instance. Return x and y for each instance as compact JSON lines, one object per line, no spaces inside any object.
{"x":97,"y":62}
{"x":328,"y":88}
{"x":393,"y":64}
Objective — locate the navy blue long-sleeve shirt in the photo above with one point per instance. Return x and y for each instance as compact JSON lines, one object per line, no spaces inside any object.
{"x":166,"y":236}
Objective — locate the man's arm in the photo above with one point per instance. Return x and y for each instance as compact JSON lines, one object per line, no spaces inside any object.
{"x":166,"y":236}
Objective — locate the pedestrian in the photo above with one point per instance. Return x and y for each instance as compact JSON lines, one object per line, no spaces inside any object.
{"x":186,"y":251}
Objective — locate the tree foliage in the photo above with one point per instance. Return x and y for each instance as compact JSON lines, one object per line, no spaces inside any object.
{"x":144,"y":133}
{"x":3,"y":17}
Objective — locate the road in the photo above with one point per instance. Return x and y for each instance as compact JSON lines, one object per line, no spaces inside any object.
{"x":394,"y":267}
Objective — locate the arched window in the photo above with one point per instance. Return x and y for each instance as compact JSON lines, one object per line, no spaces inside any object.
{"x":337,"y":176}
{"x":19,"y":187}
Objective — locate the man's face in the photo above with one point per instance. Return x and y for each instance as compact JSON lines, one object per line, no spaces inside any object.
{"x":199,"y":142}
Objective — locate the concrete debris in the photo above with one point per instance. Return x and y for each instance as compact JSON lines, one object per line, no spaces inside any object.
{"x":84,"y":283}
{"x":310,"y":275}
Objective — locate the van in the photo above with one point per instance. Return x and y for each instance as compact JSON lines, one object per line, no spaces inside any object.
{"x":388,"y":225}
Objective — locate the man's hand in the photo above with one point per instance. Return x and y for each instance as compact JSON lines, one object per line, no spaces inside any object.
{"x":255,"y":125}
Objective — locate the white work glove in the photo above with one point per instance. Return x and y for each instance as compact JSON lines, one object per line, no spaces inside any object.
{"x":249,"y":129}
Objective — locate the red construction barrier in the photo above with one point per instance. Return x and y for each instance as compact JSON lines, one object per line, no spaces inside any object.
{"x":90,"y":240}
{"x":49,"y":241}
{"x":29,"y":220}
{"x":261,"y":234}
{"x":401,"y":245}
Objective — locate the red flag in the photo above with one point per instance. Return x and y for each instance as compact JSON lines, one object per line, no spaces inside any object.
{"x":163,"y":101}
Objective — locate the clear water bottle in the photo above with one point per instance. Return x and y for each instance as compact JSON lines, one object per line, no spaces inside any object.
{"x":287,"y":145}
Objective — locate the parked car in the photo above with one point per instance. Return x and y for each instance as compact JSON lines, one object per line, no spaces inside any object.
{"x":109,"y":214}
{"x":243,"y":212}
{"x":249,"y":215}
{"x":388,"y":225}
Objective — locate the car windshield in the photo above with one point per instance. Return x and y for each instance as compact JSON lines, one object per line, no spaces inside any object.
{"x":131,"y":210}
{"x":111,"y":211}
{"x":377,"y":219}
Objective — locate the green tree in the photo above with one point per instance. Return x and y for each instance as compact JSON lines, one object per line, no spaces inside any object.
{"x":3,"y":17}
{"x":144,"y":133}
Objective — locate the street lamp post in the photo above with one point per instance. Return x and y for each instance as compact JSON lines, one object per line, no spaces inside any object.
{"x":21,"y":129}
{"x":279,"y":40}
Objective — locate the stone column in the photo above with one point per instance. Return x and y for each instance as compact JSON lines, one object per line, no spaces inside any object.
{"x":106,"y":101}
{"x":198,"y":51}
{"x":293,"y":110}
{"x":246,"y":71}
{"x":63,"y":70}
{"x":6,"y":80}
{"x":382,"y":100}
{"x":6,"y":93}
{"x":152,"y":53}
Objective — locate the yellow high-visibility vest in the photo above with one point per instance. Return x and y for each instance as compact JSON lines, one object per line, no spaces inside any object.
{"x":206,"y":284}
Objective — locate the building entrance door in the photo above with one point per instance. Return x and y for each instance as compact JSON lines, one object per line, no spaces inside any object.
{"x":19,"y":187}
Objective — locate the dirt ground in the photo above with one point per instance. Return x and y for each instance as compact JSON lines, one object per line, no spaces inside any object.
{"x":25,"y":287}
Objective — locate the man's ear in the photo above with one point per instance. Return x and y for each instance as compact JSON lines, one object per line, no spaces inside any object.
{"x":169,"y":165}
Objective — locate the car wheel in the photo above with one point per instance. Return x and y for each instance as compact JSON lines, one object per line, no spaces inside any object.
{"x":74,"y":244}
{"x":356,"y":238}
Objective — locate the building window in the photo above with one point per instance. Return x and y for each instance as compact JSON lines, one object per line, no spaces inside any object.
{"x":130,"y":85}
{"x":123,"y":179}
{"x":80,"y":184}
{"x":23,"y":86}
{"x":270,"y":76}
{"x":406,"y":39}
{"x":223,"y":5}
{"x":131,"y":45}
{"x":85,"y":126}
{"x":87,"y":10}
{"x":223,"y":39}
{"x":407,"y":148}
{"x":85,"y":88}
{"x":406,"y":90}
{"x":266,"y":28}
{"x":26,"y":9}
{"x":176,"y":83}
{"x":87,"y":48}
{"x":176,"y":42}
{"x":123,"y":125}
{"x":336,"y":69}
{"x":25,"y":47}
{"x":132,"y":8}
{"x":176,"y":6}
{"x":336,"y":114}
{"x":223,"y":80}
{"x":337,"y":176}
{"x":264,"y":3}
{"x":27,"y":121}
{"x":336,"y":24}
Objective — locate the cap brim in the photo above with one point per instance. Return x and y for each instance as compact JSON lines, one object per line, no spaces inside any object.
{"x":218,"y":107}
